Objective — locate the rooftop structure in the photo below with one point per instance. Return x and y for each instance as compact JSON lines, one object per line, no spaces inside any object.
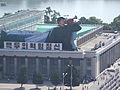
{"x":21,"y":20}
{"x":99,"y":41}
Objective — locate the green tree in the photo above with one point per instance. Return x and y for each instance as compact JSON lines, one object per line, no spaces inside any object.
{"x":37,"y":79}
{"x":55,"y":79}
{"x":116,"y":23}
{"x":22,"y":76}
{"x":94,"y":20}
{"x":49,"y":10}
{"x":107,"y":26}
{"x":46,"y":19}
{"x":1,"y":75}
{"x":54,"y":16}
{"x":75,"y":77}
{"x":91,"y":20}
{"x":3,"y":36}
{"x":83,"y":20}
{"x":47,"y":16}
{"x":50,"y":15}
{"x":1,"y":69}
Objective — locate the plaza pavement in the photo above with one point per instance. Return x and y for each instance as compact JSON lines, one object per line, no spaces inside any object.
{"x":10,"y":86}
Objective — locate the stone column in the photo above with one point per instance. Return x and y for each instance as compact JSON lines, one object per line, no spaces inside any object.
{"x":83,"y":62}
{"x":70,"y":60}
{"x":48,"y":67}
{"x":15,"y":66}
{"x":80,"y":69}
{"x":37,"y":65}
{"x":97,"y":64}
{"x":4,"y":65}
{"x":59,"y":66}
{"x":26,"y":63}
{"x":94,"y":67}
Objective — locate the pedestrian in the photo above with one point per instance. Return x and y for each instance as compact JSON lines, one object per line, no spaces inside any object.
{"x":87,"y":87}
{"x":98,"y":83}
{"x":82,"y":88}
{"x":8,"y":80}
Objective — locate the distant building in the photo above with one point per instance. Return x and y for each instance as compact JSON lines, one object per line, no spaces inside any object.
{"x":21,"y":20}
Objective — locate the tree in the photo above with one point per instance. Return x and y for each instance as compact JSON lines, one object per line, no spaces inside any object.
{"x":49,"y":10}
{"x":50,"y":15}
{"x":3,"y":37}
{"x":1,"y":68}
{"x":94,"y":20}
{"x":46,"y":19}
{"x":116,"y":23}
{"x":55,"y":79}
{"x":22,"y":76}
{"x":47,"y":16}
{"x":37,"y":79}
{"x":91,"y":20}
{"x":75,"y":77}
{"x":54,"y":16}
{"x":83,"y":20}
{"x":107,"y":26}
{"x":1,"y":75}
{"x":1,"y":71}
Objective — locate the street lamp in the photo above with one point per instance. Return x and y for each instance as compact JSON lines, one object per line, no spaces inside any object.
{"x":71,"y":76}
{"x":64,"y":74}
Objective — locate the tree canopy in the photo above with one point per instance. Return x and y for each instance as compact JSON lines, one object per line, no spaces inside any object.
{"x":75,"y":77}
{"x":91,"y":20}
{"x":22,"y":76}
{"x":116,"y":23}
{"x":37,"y":79}
{"x":107,"y":26}
{"x":51,"y":15}
{"x":55,"y":79}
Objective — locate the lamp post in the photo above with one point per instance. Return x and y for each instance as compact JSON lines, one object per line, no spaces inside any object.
{"x":71,"y":76}
{"x":64,"y":74}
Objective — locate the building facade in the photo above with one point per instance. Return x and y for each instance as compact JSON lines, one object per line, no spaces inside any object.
{"x":91,"y":62}
{"x":96,"y":51}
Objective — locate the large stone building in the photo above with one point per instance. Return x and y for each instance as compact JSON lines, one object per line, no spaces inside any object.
{"x":96,"y":51}
{"x":94,"y":55}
